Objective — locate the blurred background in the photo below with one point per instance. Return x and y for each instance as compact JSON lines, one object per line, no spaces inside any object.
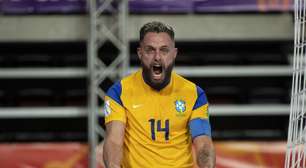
{"x":239,"y":51}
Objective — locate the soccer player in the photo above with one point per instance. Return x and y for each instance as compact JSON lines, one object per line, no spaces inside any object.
{"x":154,"y":116}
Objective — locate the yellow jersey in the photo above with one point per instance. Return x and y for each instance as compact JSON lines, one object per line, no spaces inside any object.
{"x":160,"y":124}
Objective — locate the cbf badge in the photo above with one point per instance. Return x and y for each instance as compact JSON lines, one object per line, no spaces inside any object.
{"x":180,"y":107}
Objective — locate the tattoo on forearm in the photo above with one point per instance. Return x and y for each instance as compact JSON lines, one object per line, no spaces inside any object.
{"x":206,"y":157}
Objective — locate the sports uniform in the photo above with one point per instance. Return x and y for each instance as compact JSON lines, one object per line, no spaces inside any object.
{"x":160,"y":124}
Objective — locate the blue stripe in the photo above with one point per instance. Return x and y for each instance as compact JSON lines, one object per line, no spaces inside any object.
{"x":114,"y":92}
{"x":201,"y":100}
{"x":199,"y":127}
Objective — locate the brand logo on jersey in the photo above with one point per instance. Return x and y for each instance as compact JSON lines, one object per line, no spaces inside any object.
{"x":107,"y":109}
{"x":180,"y":106}
{"x":136,"y":106}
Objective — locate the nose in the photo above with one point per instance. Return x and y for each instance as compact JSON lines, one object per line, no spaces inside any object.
{"x":157,"y":56}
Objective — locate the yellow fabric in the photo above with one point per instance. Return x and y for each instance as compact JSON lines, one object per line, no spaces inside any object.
{"x":117,"y":111}
{"x":144,"y":109}
{"x":201,"y":112}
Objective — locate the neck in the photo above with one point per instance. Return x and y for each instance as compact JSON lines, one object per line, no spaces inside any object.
{"x":159,"y":86}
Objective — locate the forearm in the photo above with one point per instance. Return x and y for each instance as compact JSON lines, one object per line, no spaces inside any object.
{"x":205,"y":152}
{"x":112,"y":154}
{"x":206,"y":156}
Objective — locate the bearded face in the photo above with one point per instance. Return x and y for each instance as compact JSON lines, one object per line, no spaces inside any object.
{"x":157,"y":56}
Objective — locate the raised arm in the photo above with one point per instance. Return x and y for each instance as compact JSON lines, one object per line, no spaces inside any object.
{"x":205,"y":152}
{"x":113,"y":144}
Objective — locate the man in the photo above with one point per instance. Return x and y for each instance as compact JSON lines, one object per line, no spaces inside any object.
{"x":154,"y":116}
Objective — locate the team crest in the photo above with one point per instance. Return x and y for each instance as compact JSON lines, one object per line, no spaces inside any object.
{"x":107,"y":109}
{"x":180,"y":106}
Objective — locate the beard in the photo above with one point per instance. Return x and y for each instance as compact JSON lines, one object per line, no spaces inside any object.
{"x":157,"y":85}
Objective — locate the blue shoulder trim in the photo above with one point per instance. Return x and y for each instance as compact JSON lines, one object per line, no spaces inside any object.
{"x":199,"y":127}
{"x":201,"y":100}
{"x":114,"y":92}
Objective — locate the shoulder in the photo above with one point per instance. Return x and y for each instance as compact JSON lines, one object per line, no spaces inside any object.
{"x":116,"y":90}
{"x":183,"y":83}
{"x":188,"y":86}
{"x":201,"y":98}
{"x":130,"y":79}
{"x":187,"y":83}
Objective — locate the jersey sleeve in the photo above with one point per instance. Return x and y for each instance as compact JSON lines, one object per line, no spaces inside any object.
{"x":113,"y":107}
{"x":199,"y":120}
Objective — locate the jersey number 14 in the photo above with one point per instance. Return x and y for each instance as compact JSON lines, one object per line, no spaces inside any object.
{"x":156,"y":124}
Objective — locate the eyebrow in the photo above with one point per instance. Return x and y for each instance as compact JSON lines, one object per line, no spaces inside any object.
{"x":149,"y":46}
{"x":165,"y":47}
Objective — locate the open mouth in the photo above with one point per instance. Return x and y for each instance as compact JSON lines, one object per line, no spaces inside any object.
{"x":157,"y":71}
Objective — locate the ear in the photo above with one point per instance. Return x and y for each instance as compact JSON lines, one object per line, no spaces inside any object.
{"x":139,"y":53}
{"x":175,"y":52}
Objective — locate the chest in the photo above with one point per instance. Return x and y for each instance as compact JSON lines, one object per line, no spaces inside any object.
{"x":160,"y":111}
